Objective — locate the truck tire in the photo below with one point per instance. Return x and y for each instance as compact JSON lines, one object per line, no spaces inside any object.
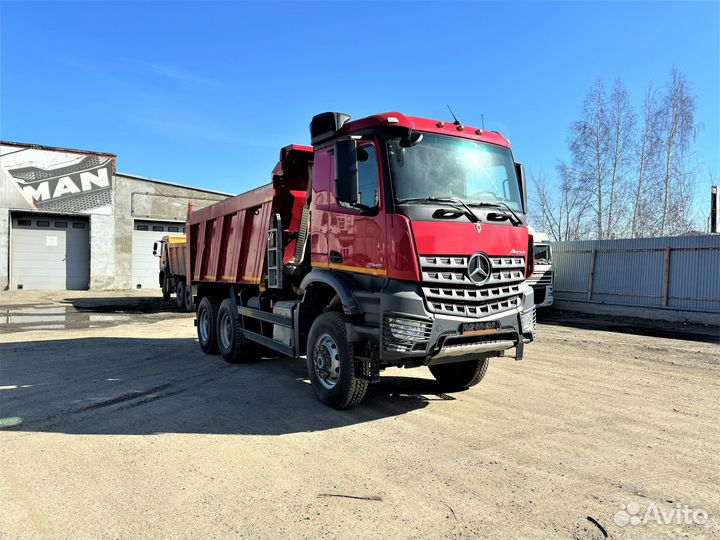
{"x":233,"y":345}
{"x":188,"y":299}
{"x":207,"y":314}
{"x":330,"y":363}
{"x":180,"y":295}
{"x":460,"y":375}
{"x":166,"y":289}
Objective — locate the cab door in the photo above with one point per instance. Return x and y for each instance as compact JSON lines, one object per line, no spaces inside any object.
{"x":356,"y":238}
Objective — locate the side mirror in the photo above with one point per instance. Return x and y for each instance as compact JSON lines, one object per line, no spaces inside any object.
{"x":155,"y":246}
{"x":411,"y":139}
{"x":346,"y":171}
{"x":520,"y":173}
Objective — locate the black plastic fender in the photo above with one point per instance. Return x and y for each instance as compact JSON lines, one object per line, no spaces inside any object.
{"x":342,"y":284}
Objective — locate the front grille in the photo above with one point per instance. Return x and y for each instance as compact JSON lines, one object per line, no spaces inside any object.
{"x":541,"y":277}
{"x":448,"y":290}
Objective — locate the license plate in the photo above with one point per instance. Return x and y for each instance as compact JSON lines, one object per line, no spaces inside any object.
{"x":480,"y":328}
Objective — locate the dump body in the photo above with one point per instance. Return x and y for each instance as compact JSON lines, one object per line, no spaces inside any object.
{"x":174,"y":256}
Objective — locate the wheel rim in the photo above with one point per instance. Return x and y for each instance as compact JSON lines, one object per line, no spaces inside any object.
{"x":204,"y":325}
{"x":225,"y":331}
{"x":326,"y":361}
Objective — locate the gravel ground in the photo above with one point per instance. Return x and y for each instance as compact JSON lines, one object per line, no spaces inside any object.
{"x":128,"y":430}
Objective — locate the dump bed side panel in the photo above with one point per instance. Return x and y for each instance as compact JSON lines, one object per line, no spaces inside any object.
{"x":227,"y":240}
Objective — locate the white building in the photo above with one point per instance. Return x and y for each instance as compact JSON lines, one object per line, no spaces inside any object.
{"x":68,"y":220}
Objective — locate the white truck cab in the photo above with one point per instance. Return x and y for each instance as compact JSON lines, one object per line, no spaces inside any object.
{"x":543,"y":276}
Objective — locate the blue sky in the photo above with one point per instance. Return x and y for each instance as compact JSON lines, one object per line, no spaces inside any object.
{"x":205,"y":94}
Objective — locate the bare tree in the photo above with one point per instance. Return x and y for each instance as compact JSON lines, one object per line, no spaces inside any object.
{"x":678,"y":132}
{"x":589,"y":145}
{"x":621,"y":120}
{"x":561,"y":212}
{"x":647,"y":165}
{"x":621,"y":181}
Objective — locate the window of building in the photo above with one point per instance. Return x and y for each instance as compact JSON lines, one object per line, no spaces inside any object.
{"x":158,"y":228}
{"x":43,"y":223}
{"x":78,"y":225}
{"x":61,"y":224}
{"x":24,"y":222}
{"x":142,"y":227}
{"x":173,"y":229}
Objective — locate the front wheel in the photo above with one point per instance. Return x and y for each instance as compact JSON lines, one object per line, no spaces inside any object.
{"x":166,"y":289}
{"x":460,"y":375}
{"x":207,"y":324}
{"x":331,"y":363}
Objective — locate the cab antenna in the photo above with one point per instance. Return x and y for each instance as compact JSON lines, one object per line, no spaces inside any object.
{"x":456,"y":122}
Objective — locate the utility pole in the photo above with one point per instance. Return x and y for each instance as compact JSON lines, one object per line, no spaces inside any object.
{"x":715,"y":210}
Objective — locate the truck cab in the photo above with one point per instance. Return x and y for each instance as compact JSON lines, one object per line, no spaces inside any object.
{"x":542,"y":278}
{"x":391,"y":241}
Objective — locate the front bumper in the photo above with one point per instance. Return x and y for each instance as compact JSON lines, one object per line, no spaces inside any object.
{"x":411,"y":335}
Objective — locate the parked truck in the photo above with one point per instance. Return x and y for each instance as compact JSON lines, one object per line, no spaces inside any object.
{"x":391,"y":241}
{"x":542,"y":278}
{"x":172,"y":254}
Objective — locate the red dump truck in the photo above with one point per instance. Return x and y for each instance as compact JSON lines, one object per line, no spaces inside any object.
{"x":172,"y":275}
{"x":392,"y":241}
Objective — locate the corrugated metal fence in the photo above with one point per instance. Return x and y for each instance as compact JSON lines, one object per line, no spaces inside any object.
{"x":680,"y":272}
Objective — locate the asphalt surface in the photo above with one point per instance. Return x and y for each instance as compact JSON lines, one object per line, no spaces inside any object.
{"x":123,"y":428}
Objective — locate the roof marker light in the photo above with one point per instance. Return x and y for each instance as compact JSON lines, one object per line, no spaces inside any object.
{"x":440,"y":124}
{"x":461,"y":128}
{"x":392,"y":120}
{"x":479,"y":131}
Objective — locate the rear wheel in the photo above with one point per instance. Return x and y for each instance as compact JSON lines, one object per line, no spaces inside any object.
{"x":331,"y":363}
{"x":207,"y":324}
{"x":188,"y":298}
{"x":460,"y":375}
{"x":233,"y":345}
{"x":180,"y":295}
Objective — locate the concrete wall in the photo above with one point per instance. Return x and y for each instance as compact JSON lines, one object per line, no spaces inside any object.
{"x":111,"y":231}
{"x":137,"y":198}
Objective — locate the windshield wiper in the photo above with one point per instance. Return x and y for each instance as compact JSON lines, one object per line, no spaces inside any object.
{"x":452,"y":201}
{"x":516,"y":219}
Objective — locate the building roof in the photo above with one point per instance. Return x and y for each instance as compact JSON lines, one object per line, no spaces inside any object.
{"x":173,"y":184}
{"x":56,"y":149}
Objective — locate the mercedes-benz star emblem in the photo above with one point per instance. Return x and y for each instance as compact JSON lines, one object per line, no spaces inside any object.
{"x":479,"y":268}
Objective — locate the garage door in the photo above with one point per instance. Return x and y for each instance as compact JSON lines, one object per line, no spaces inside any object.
{"x":145,"y":264}
{"x":50,"y":252}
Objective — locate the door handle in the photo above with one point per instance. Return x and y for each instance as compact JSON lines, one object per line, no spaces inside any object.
{"x":335,"y":257}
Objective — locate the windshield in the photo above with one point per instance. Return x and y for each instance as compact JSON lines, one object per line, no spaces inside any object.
{"x":449,"y":167}
{"x":543,"y":254}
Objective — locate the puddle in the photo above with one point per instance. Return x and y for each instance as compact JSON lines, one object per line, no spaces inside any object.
{"x":26,"y":318}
